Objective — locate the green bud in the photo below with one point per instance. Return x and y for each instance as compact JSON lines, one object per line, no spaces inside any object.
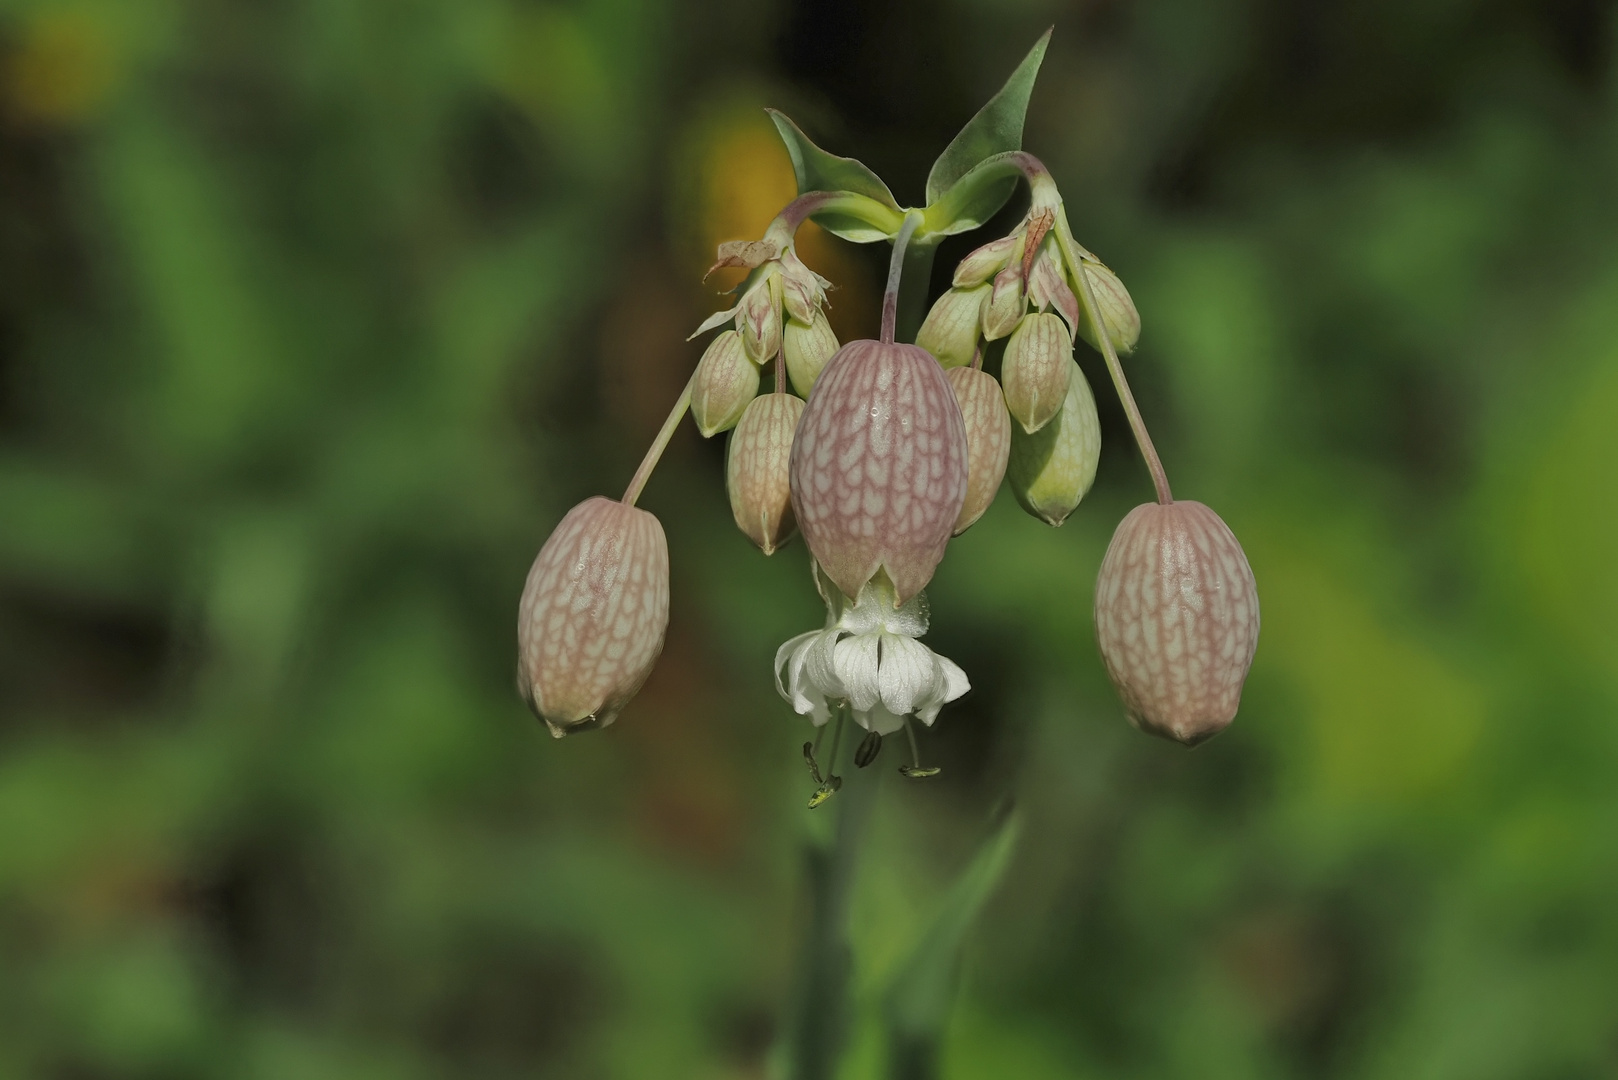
{"x":1052,"y":469}
{"x":758,"y":470}
{"x":1117,"y":310}
{"x":1006,"y":303}
{"x":950,"y":331}
{"x":726,"y":380}
{"x":759,"y":319}
{"x":807,"y":347}
{"x":1035,"y":370}
{"x":986,"y":261}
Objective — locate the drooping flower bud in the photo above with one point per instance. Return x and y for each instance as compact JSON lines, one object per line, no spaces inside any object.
{"x":1117,"y":310}
{"x":986,"y":261}
{"x":592,"y":617}
{"x":988,"y":439}
{"x":807,"y":347}
{"x":1006,"y":303}
{"x":725,"y":381}
{"x":1051,"y":470}
{"x":759,"y":319}
{"x":1048,"y":288}
{"x":758,"y":470}
{"x":950,"y":331}
{"x":879,"y":466}
{"x":1177,"y":619}
{"x":1035,"y":370}
{"x":802,"y":290}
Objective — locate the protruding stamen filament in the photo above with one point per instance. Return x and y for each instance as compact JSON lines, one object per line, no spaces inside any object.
{"x":833,"y":782}
{"x":915,"y":770}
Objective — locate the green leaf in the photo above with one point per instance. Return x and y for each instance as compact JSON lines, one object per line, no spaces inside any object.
{"x":973,"y":199}
{"x":817,"y":170}
{"x":995,"y":129}
{"x":919,"y":997}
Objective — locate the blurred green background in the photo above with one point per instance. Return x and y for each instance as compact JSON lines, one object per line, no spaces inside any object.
{"x":316,"y":315}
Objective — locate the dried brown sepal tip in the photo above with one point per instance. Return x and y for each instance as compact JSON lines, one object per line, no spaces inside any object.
{"x":593,"y":614}
{"x":1177,"y":619}
{"x":758,"y":470}
{"x":879,"y":467}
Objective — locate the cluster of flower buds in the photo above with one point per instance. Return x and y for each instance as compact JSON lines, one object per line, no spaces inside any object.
{"x":780,"y":313}
{"x":1023,"y":288}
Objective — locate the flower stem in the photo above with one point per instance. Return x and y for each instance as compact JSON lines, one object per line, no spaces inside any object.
{"x":1092,"y":311}
{"x":655,"y":452}
{"x":818,"y":1022}
{"x":896,"y":268}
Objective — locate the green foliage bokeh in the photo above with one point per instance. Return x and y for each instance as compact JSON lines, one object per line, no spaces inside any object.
{"x":316,"y":315}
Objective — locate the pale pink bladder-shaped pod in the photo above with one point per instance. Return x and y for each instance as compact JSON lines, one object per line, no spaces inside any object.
{"x":988,"y":439}
{"x":757,"y":470}
{"x":879,"y":466}
{"x":592,"y":617}
{"x":1177,"y":619}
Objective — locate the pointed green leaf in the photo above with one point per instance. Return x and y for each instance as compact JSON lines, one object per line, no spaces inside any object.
{"x":817,"y":170}
{"x":995,"y":129}
{"x":919,"y":997}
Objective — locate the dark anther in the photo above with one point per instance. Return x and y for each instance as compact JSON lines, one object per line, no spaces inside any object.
{"x":869,"y":748}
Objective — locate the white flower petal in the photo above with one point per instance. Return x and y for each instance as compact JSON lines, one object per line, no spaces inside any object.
{"x":820,"y":664}
{"x":952,"y":684}
{"x":858,"y":667}
{"x":879,"y":720}
{"x":909,"y":674}
{"x":805,"y":697}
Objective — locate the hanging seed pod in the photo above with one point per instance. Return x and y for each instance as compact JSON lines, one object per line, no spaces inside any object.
{"x":1051,"y":470}
{"x":1177,"y":619}
{"x":950,"y":331}
{"x":807,"y":348}
{"x":1117,"y":310}
{"x":725,"y":381}
{"x":988,"y":439}
{"x":758,"y":470}
{"x":879,"y":468}
{"x":592,"y":617}
{"x":1035,"y":370}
